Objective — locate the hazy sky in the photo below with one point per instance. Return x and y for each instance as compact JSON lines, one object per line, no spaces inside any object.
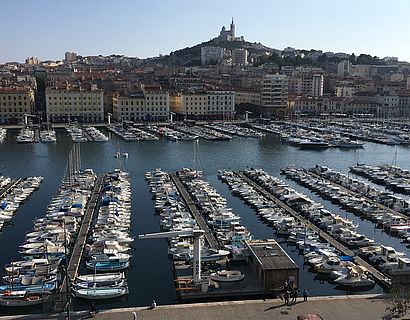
{"x":48,"y":28}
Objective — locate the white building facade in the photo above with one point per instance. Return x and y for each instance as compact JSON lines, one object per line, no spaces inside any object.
{"x":74,"y":104}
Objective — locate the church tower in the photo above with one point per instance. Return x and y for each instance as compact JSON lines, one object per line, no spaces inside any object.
{"x":232,"y":29}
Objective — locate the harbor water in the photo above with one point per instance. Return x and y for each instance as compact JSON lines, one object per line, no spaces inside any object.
{"x":151,"y":275}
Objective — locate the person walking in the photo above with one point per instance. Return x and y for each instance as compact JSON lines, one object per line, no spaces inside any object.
{"x":286,"y":297}
{"x":305,"y":295}
{"x":134,"y":315}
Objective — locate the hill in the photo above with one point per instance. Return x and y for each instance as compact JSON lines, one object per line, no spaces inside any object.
{"x":191,"y":56}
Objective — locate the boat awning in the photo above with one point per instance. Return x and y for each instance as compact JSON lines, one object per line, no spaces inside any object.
{"x":346,"y":258}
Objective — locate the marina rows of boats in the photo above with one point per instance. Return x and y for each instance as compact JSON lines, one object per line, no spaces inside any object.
{"x":390,"y":134}
{"x":391,"y":202}
{"x":391,"y":221}
{"x":318,"y":253}
{"x":171,"y":134}
{"x":12,"y":199}
{"x":176,"y":216}
{"x":31,"y":135}
{"x":202,"y":132}
{"x":308,"y":138}
{"x":85,"y":134}
{"x":109,"y":244}
{"x":94,"y":134}
{"x":131,"y":133}
{"x":3,"y":134}
{"x":32,"y":279}
{"x":393,"y":177}
{"x":235,"y":130}
{"x":390,"y":262}
{"x":221,"y":219}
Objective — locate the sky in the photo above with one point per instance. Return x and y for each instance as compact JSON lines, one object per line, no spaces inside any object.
{"x":48,"y":28}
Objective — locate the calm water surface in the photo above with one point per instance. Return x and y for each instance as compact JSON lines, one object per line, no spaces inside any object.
{"x":150,"y":276}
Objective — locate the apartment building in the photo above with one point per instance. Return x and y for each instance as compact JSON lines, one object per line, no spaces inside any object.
{"x":67,"y":103}
{"x":209,"y":104}
{"x":149,"y":104}
{"x":14,"y":103}
{"x":239,"y":57}
{"x":274,"y":93}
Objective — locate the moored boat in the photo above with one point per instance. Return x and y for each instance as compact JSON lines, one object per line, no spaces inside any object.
{"x":227,"y":276}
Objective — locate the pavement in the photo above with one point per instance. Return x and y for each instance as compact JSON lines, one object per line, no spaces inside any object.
{"x":362,"y":307}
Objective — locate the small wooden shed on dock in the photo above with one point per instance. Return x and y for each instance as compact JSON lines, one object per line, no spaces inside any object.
{"x":272,"y":264}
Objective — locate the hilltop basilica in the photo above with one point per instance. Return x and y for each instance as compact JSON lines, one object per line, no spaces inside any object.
{"x":229,"y":35}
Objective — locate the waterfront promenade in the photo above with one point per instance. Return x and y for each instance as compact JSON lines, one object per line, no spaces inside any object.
{"x":360,"y":307}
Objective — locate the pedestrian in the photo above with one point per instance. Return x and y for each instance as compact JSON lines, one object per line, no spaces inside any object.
{"x":295,"y":296}
{"x":135,"y":316}
{"x":305,"y":294}
{"x":286,"y":297}
{"x":153,"y":305}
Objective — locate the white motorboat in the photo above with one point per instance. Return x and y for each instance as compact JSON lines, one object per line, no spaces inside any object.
{"x":355,"y":278}
{"x":227,"y":276}
{"x":101,"y":277}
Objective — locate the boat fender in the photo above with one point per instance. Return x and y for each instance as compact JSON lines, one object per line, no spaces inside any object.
{"x":7,"y":293}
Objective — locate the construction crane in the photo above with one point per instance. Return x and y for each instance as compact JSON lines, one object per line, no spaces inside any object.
{"x":197,"y":234}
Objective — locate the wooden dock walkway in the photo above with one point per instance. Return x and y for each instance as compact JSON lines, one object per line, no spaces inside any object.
{"x":78,"y":249}
{"x":381,"y":278}
{"x":198,"y":217}
{"x":9,"y":186}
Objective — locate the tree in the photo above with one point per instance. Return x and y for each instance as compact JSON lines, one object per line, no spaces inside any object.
{"x":352,"y":58}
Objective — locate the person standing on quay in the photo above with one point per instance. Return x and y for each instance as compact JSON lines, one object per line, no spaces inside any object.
{"x":305,"y":294}
{"x":286,"y":297}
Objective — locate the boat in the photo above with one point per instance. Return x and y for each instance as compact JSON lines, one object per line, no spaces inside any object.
{"x":227,"y":276}
{"x":104,"y":263}
{"x":101,"y":277}
{"x":100,"y":293}
{"x":125,"y":155}
{"x":355,"y":278}
{"x":20,"y":298}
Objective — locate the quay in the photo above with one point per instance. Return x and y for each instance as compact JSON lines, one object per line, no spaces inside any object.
{"x":381,"y":278}
{"x":78,"y":248}
{"x":198,"y":217}
{"x":363,"y":307}
{"x":9,"y":186}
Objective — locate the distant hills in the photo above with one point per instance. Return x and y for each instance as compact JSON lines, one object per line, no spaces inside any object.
{"x":191,"y":56}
